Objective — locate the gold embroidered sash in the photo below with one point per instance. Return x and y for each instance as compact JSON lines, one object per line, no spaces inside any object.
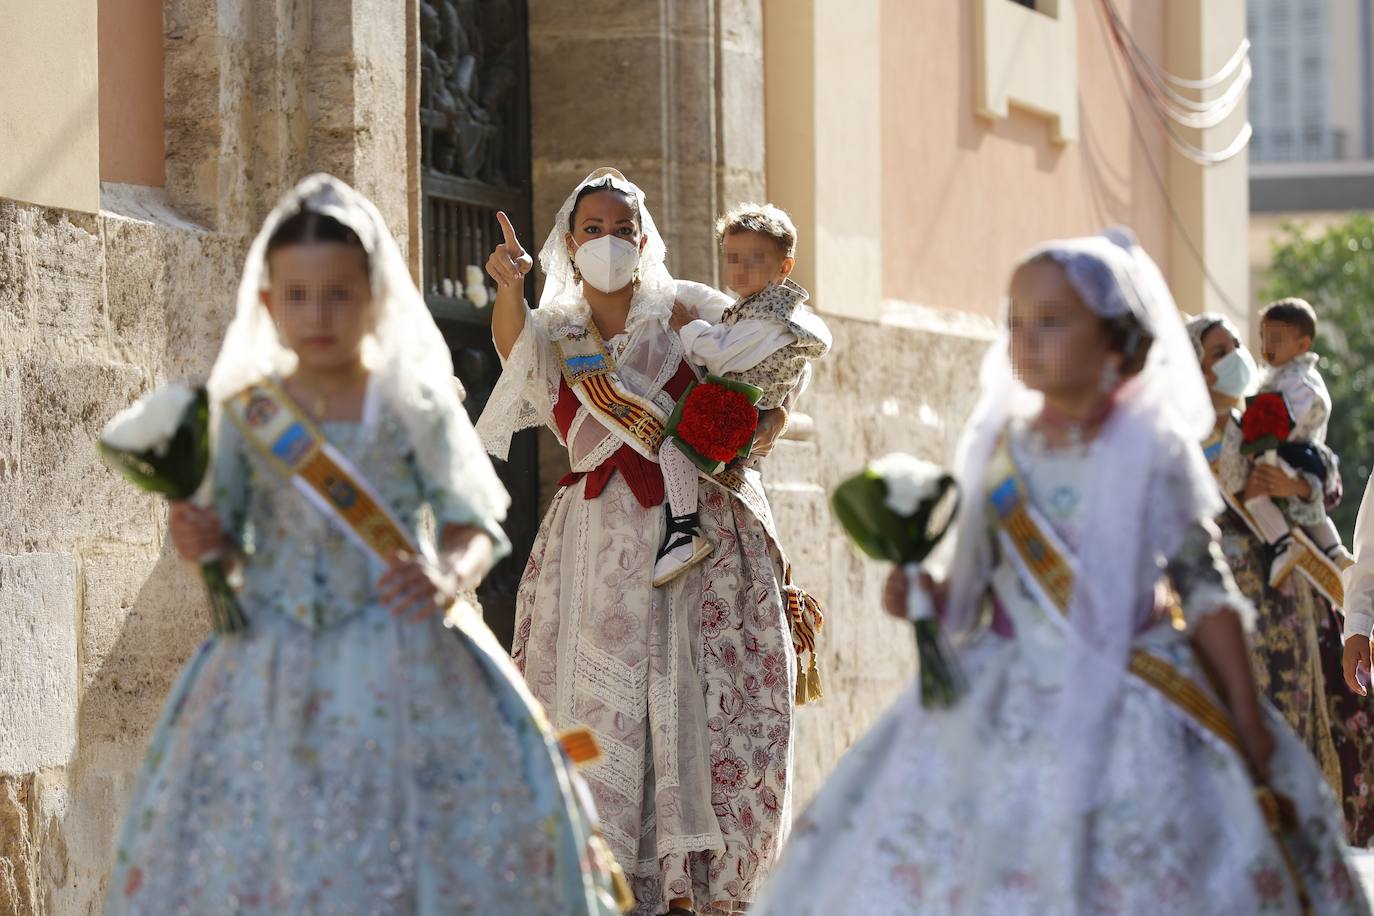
{"x":293,"y":445}
{"x":1047,"y":568}
{"x":590,"y":372}
{"x":1311,"y":563}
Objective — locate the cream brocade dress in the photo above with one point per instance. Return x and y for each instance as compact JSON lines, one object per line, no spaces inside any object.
{"x":689,"y":688}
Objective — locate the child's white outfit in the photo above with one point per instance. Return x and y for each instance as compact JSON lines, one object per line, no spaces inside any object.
{"x":766,"y":340}
{"x":1303,"y":388}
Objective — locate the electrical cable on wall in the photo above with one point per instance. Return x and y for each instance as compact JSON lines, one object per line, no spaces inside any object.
{"x":1158,"y":177}
{"x":1171,"y":108}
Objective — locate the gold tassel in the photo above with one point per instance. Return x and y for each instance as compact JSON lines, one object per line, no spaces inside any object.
{"x":801,"y":683}
{"x":624,"y":897}
{"x":620,"y":886}
{"x":813,"y":681}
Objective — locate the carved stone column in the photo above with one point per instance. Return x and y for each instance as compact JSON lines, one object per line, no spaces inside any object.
{"x":669,"y":93}
{"x":262,"y":92}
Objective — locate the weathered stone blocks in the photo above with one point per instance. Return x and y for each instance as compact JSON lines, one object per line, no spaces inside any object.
{"x":38,"y":667}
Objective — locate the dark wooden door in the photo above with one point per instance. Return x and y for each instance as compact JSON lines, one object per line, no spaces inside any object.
{"x":474,"y":117}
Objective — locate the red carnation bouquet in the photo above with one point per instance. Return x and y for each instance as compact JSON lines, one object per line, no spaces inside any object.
{"x":715,"y":421}
{"x":1266,"y":424}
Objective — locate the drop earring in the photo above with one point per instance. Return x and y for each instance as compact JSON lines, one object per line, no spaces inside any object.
{"x":1111,"y":378}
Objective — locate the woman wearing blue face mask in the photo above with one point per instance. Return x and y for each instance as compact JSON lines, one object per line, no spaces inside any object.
{"x":1285,"y":646}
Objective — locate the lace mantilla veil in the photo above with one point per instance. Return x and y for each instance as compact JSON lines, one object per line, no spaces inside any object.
{"x":411,"y":368}
{"x":521,"y":398}
{"x":1161,"y":417}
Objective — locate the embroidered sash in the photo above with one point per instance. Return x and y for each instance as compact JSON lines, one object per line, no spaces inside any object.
{"x":590,"y":372}
{"x":293,"y":445}
{"x":1048,"y":569}
{"x":1314,"y":566}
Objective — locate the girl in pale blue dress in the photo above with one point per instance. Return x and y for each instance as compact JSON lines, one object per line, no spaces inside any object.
{"x":349,"y":752}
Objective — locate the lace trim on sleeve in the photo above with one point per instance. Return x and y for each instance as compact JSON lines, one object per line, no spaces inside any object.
{"x":523,"y":396}
{"x":1203,"y":580}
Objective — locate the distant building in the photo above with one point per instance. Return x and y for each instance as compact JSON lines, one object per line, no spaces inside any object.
{"x":1312,"y":108}
{"x":1312,"y":105}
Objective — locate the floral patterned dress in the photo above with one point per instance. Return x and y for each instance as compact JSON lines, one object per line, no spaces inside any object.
{"x":1285,"y":646}
{"x":952,"y":811}
{"x":334,"y":758}
{"x":1352,"y":727}
{"x":689,"y":688}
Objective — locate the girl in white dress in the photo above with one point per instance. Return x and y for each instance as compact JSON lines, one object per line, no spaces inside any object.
{"x":1111,"y":755}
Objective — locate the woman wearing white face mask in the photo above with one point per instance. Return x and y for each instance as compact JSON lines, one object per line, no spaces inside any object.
{"x":688,"y":688}
{"x":1285,"y":647}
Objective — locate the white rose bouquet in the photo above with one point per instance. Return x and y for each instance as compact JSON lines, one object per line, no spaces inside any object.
{"x":161,"y":444}
{"x":897,"y":509}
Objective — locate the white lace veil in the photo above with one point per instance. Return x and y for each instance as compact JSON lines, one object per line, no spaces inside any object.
{"x":411,"y":368}
{"x":654,"y":295}
{"x":521,"y":398}
{"x":1202,"y":325}
{"x":1161,"y":415}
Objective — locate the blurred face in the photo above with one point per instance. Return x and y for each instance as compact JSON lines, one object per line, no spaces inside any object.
{"x":321,"y":301}
{"x":604,"y":213}
{"x":752,"y":261}
{"x":1059,"y":346}
{"x":1216,"y":344}
{"x":1282,"y":342}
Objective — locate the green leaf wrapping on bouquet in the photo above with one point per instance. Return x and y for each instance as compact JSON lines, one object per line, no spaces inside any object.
{"x":225,"y":614}
{"x":942,"y":678}
{"x":1260,"y":446}
{"x":860,"y":503}
{"x":177,"y":473}
{"x":752,"y":392}
{"x":711,"y":466}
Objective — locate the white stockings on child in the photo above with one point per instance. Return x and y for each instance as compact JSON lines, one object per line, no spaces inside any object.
{"x":679,"y":479}
{"x":1269,"y":518}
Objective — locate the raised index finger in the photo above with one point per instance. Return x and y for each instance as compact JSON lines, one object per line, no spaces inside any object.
{"x":508,"y":230}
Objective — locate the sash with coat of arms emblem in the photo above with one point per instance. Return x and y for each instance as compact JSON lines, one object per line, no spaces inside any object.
{"x":293,"y":445}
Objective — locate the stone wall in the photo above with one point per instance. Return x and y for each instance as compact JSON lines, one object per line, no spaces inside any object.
{"x":884,"y":388}
{"x":97,"y":616}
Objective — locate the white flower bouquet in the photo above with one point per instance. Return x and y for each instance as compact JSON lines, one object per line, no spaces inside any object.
{"x":161,"y":444}
{"x":897,"y":509}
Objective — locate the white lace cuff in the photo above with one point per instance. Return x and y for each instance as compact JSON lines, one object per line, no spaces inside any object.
{"x":1357,"y":624}
{"x":522,"y":397}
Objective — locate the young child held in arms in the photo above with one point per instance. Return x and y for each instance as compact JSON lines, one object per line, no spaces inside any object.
{"x":1287,"y":330}
{"x":766,"y":339}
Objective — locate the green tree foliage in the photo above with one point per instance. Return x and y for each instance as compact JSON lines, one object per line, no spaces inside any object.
{"x":1334,"y":270}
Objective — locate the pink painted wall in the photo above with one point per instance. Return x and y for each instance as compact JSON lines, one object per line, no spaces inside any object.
{"x":963,"y":196}
{"x":131,"y":93}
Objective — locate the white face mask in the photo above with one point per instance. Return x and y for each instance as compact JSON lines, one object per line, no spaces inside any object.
{"x":607,"y":263}
{"x":1234,"y":373}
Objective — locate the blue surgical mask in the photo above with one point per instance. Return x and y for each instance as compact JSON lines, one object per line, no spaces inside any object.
{"x":1234,"y":373}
